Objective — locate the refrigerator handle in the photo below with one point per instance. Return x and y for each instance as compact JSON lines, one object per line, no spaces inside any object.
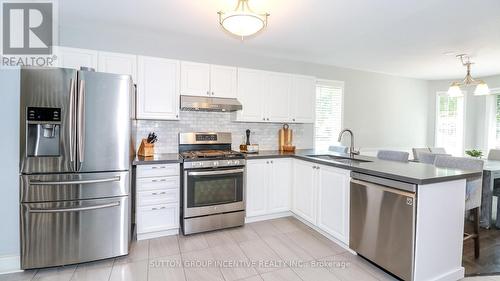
{"x":81,"y":123}
{"x":71,"y":121}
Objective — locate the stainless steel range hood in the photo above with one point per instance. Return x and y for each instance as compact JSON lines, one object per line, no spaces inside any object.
{"x":193,"y":103}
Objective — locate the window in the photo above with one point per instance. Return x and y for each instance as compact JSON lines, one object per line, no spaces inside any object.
{"x":450,"y":123}
{"x":328,"y":121}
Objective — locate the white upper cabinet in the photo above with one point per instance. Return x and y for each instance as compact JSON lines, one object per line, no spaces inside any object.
{"x":333,"y":202}
{"x":158,"y":88}
{"x":75,"y":58}
{"x":118,"y":64}
{"x":223,"y":80}
{"x":303,"y":99}
{"x":199,"y":79}
{"x":250,"y":92}
{"x":195,"y":79}
{"x":277,"y":98}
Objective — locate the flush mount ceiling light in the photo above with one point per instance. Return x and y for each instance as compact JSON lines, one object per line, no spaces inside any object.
{"x":243,"y":22}
{"x":455,"y":87}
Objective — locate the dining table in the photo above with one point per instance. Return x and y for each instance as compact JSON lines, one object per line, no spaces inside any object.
{"x":491,"y":172}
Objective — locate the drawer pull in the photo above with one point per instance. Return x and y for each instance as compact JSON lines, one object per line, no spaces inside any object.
{"x":159,"y":180}
{"x":154,"y":209}
{"x":161,"y":167}
{"x":156,"y":193}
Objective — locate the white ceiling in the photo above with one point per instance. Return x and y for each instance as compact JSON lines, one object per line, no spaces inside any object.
{"x":401,"y":37}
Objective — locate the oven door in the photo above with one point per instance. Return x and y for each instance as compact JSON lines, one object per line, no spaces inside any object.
{"x":213,"y":191}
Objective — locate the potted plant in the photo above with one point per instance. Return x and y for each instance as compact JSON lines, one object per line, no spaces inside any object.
{"x":474,"y":153}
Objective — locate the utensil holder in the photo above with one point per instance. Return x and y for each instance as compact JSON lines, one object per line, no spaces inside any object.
{"x":146,"y":149}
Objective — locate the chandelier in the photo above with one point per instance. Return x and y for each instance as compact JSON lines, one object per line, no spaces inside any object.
{"x":243,"y":22}
{"x":455,"y":87}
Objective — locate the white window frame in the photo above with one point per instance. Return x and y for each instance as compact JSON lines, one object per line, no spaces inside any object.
{"x":445,"y":93}
{"x":335,"y":84}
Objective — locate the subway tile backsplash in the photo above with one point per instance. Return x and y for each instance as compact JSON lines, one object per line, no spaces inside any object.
{"x":264,"y":134}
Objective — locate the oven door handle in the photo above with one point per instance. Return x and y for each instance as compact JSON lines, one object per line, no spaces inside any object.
{"x":218,"y":172}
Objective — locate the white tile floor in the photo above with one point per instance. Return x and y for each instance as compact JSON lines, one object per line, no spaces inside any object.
{"x":257,"y":251}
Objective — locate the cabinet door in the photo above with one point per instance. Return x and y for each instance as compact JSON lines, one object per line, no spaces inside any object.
{"x":304,"y":190}
{"x":333,"y":202}
{"x":195,"y":79}
{"x":158,"y":88}
{"x":118,"y":64}
{"x":250,"y":91}
{"x":280,"y":186}
{"x":303,"y":99}
{"x":75,"y":58}
{"x":157,"y":218}
{"x":277,"y":97}
{"x":223,"y":80}
{"x":257,"y":187}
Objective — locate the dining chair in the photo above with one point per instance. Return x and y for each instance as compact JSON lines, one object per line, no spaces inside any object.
{"x":393,"y":155}
{"x":417,"y":151}
{"x":338,"y":148}
{"x":429,"y":158}
{"x":494,"y":155}
{"x":439,"y":150}
{"x":473,"y":190}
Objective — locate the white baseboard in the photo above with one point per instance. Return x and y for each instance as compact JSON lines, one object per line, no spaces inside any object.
{"x":268,"y":217}
{"x":10,"y":264}
{"x":453,"y":275}
{"x":317,"y":229}
{"x":156,"y":234}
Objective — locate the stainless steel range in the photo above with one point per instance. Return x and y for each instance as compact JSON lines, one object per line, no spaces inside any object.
{"x":213,"y":194}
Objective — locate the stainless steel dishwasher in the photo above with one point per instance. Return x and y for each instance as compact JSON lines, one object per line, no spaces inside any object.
{"x":382,"y":222}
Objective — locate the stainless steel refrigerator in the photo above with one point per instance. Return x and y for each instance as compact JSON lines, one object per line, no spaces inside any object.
{"x":74,"y":166}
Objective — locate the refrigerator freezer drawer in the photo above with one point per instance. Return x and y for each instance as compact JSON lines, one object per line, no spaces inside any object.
{"x":55,"y":187}
{"x":60,"y":233}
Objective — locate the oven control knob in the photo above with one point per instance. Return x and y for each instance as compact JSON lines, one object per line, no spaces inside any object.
{"x":215,"y":163}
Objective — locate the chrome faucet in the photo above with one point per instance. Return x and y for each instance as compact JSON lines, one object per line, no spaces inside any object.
{"x":351,"y":149}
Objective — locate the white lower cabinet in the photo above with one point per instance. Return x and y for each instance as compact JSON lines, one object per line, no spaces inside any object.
{"x":321,"y":197}
{"x":304,"y":190}
{"x":268,"y":186}
{"x":157,"y":200}
{"x":333,"y":202}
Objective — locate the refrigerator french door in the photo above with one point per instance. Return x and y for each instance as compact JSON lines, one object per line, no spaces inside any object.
{"x":75,"y":155}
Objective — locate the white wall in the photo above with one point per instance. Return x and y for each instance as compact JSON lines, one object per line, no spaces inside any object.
{"x":475,"y":109}
{"x":9,"y":171}
{"x":383,"y":110}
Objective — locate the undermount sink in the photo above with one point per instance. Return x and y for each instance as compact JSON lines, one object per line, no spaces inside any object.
{"x":340,"y":159}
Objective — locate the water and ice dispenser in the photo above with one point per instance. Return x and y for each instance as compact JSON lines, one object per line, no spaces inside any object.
{"x":44,"y":129}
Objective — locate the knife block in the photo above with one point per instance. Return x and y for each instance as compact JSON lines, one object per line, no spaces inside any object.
{"x":146,"y":149}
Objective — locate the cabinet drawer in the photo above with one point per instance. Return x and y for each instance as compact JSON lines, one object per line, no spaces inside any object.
{"x":163,"y":170}
{"x":155,"y":197}
{"x":157,"y":218}
{"x":145,"y":184}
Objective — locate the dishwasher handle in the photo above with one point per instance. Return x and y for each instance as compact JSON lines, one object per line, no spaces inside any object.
{"x":384,"y":182}
{"x":384,"y":188}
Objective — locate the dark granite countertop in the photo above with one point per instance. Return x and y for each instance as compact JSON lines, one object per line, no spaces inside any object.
{"x":165,"y":158}
{"x":410,"y":172}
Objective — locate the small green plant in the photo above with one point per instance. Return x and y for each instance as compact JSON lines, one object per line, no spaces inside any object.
{"x":474,"y":153}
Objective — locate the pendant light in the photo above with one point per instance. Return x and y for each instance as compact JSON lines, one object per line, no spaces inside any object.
{"x":243,"y":22}
{"x":455,"y":87}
